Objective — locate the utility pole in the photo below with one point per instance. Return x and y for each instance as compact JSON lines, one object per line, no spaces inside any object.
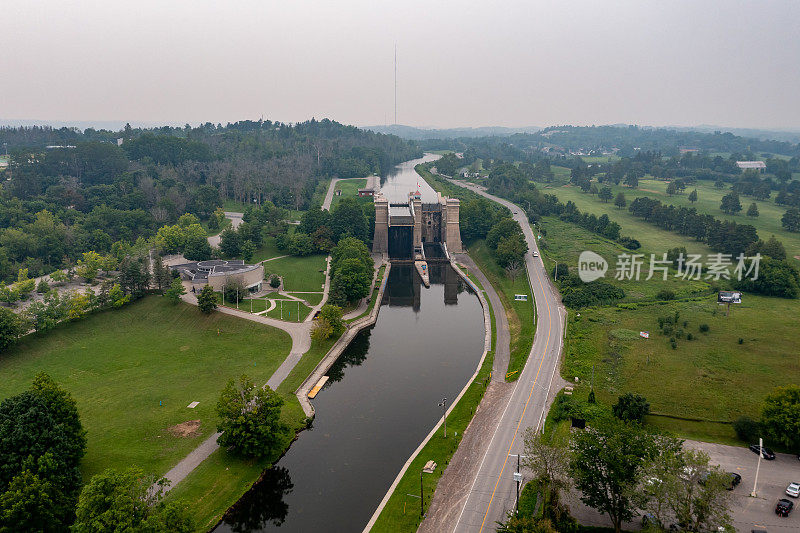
{"x":517,"y":479}
{"x":443,"y":405}
{"x":758,"y":466}
{"x":421,"y":496}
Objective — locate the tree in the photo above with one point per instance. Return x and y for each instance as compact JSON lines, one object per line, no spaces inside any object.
{"x":122,"y":501}
{"x":32,"y":501}
{"x":693,"y":196}
{"x":791,"y":220}
{"x":41,"y":433}
{"x":631,"y":407}
{"x":229,"y":243}
{"x":780,"y":417}
{"x":631,"y":180}
{"x":117,"y":297}
{"x":43,"y":287}
{"x":347,"y":219}
{"x":672,"y":188}
{"x":548,"y":461}
{"x":351,"y":281}
{"x":513,"y":269}
{"x":607,"y":464}
{"x":511,"y":249}
{"x":730,"y":204}
{"x":175,"y":291}
{"x":605,"y":194}
{"x":329,"y":322}
{"x":752,"y":211}
{"x":620,"y":201}
{"x":11,"y":327}
{"x":249,"y":419}
{"x":207,"y":300}
{"x":248,"y":250}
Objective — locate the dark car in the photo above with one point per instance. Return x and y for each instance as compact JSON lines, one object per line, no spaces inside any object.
{"x":735,"y":480}
{"x":766,"y":453}
{"x":784,"y":507}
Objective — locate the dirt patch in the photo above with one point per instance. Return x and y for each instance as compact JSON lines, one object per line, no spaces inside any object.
{"x":188,"y":429}
{"x":184,"y":348}
{"x":797,"y":257}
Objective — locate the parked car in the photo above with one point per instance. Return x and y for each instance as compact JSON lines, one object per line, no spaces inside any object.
{"x":649,"y":519}
{"x":784,"y":507}
{"x":793,"y":490}
{"x":735,"y":480}
{"x":535,"y":253}
{"x":766,"y":453}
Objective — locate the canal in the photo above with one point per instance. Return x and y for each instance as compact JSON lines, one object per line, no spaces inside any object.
{"x":380,"y":402}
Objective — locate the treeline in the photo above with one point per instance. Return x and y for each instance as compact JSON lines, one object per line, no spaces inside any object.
{"x":720,"y":235}
{"x":320,"y":230}
{"x":60,"y":202}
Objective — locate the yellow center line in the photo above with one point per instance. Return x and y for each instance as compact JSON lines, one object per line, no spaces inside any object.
{"x":525,"y":408}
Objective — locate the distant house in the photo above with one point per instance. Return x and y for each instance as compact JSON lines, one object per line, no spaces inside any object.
{"x":366,"y":192}
{"x":751,"y":165}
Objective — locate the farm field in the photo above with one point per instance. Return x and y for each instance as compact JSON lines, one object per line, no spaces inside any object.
{"x":710,"y":380}
{"x":133,"y":371}
{"x":708,"y":201}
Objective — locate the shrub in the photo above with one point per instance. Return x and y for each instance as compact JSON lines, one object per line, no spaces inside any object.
{"x":703,"y":328}
{"x":689,"y":336}
{"x":741,"y":340}
{"x":631,"y":407}
{"x":747,"y":429}
{"x":274,"y":281}
{"x":665,"y":294}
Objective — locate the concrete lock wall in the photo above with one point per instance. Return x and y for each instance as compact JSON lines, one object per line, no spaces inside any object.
{"x":453,"y":231}
{"x":380,"y":241}
{"x":248,"y":278}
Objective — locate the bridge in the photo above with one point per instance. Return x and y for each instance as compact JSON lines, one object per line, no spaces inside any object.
{"x":417,"y":231}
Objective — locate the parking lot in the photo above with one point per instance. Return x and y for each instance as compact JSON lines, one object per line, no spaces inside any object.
{"x":773,"y":477}
{"x":748,"y":513}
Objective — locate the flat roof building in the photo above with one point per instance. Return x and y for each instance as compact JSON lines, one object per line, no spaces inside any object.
{"x":219,"y":272}
{"x":751,"y":165}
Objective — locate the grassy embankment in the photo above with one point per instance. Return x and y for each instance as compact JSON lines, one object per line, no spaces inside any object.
{"x":222,"y":479}
{"x":401,"y":513}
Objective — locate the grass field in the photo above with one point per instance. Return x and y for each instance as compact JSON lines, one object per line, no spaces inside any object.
{"x":565,"y":242}
{"x":303,"y":274}
{"x":221,"y":479}
{"x":349,"y":189}
{"x":600,"y":158}
{"x":708,"y":200}
{"x":133,"y":371}
{"x":268,"y":250}
{"x":711,"y":379}
{"x":519,"y":314}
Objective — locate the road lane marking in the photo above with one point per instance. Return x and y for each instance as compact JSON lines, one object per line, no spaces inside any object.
{"x":525,"y":408}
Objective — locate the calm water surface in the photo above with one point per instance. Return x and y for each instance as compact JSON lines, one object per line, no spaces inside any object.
{"x":380,"y":402}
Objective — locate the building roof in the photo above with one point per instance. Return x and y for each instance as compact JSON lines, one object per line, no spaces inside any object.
{"x":751,"y":164}
{"x":200,"y":270}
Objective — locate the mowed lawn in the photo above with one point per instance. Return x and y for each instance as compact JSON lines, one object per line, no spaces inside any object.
{"x":709,"y":379}
{"x":133,"y":371}
{"x":303,"y":274}
{"x":708,"y":201}
{"x":349,"y":188}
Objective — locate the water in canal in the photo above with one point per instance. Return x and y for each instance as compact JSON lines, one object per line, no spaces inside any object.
{"x":380,"y":402}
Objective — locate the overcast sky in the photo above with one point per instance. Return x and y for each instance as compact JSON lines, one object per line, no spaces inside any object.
{"x":460,"y":63}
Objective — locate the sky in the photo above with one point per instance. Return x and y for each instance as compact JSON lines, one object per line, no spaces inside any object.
{"x":459,"y":63}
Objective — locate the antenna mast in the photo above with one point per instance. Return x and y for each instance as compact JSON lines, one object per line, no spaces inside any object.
{"x":395,"y":83}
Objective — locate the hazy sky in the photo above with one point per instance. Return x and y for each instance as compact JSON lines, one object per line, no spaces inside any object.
{"x":460,"y":63}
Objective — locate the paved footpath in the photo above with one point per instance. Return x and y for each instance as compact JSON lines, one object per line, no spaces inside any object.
{"x":301,"y":342}
{"x":235,"y":218}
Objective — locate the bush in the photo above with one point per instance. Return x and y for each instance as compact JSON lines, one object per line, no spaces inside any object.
{"x":665,"y":294}
{"x":741,"y":340}
{"x":43,"y":287}
{"x":747,"y":429}
{"x":689,"y":336}
{"x":274,"y":281}
{"x":631,"y":407}
{"x":703,"y":328}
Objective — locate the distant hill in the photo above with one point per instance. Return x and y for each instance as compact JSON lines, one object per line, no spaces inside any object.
{"x":418,"y":134}
{"x":787,"y":135}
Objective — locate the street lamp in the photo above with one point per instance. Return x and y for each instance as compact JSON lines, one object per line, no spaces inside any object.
{"x":443,"y":405}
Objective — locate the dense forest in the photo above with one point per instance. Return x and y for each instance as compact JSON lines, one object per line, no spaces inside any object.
{"x":68,"y":191}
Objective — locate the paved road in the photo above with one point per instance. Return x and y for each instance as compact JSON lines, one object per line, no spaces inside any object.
{"x":493,"y":491}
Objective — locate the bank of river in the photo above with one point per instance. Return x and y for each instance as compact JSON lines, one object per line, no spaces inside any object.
{"x":380,"y":402}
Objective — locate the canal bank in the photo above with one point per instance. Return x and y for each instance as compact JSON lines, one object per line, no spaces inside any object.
{"x":380,"y":400}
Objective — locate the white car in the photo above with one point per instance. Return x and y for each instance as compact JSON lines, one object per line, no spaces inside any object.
{"x":535,"y":253}
{"x":793,"y":490}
